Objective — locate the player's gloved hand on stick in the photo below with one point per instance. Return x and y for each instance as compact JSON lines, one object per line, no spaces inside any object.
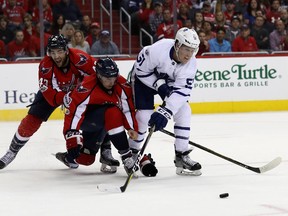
{"x":147,"y":166}
{"x":160,"y":118}
{"x":74,"y":142}
{"x":162,"y":88}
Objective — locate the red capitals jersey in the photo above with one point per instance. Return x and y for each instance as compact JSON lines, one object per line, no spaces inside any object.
{"x":91,"y":93}
{"x":55,"y":82}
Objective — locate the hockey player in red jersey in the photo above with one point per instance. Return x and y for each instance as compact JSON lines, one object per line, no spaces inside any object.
{"x":59,"y":72}
{"x":102,"y":104}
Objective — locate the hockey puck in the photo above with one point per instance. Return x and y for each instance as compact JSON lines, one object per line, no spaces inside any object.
{"x":224,"y":195}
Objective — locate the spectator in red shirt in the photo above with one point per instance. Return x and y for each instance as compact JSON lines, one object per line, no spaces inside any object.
{"x":93,"y":36}
{"x":28,"y":29}
{"x":2,"y":49}
{"x":47,"y":14}
{"x":35,"y":41}
{"x":166,"y":29}
{"x":204,"y":45}
{"x":15,"y":15}
{"x":274,"y":12}
{"x":206,"y":11}
{"x":244,"y":42}
{"x":18,"y":47}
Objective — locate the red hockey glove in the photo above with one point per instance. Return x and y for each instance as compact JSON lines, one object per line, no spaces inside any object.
{"x":74,"y":142}
{"x":147,"y":166}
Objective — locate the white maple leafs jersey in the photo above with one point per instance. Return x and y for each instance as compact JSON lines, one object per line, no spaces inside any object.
{"x":156,"y":61}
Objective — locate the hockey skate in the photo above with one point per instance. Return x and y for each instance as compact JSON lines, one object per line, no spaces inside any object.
{"x":7,"y":158}
{"x":109,"y":164}
{"x":185,"y":165}
{"x":61,"y":156}
{"x":128,"y":162}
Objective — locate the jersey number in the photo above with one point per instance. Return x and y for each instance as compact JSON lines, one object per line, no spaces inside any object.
{"x":189,"y":83}
{"x":140,"y":59}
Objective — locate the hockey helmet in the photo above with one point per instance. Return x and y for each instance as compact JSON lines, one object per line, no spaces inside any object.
{"x":187,"y":37}
{"x":57,"y":42}
{"x":106,"y":67}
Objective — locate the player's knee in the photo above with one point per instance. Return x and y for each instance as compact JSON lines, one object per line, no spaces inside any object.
{"x":29,"y":125}
{"x":85,"y":159}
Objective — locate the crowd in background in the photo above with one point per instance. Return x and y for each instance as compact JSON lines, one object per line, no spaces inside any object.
{"x":20,"y":28}
{"x":222,"y":25}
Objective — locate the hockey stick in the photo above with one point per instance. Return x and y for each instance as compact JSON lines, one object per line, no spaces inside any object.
{"x":122,"y":189}
{"x":269,"y":166}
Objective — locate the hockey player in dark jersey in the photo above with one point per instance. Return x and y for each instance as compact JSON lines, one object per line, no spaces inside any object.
{"x":102,"y":104}
{"x":59,"y":72}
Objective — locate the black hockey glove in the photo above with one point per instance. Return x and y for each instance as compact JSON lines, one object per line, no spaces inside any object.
{"x":160,"y":118}
{"x":147,"y":166}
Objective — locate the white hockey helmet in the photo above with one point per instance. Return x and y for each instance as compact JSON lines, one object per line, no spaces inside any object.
{"x":187,"y":37}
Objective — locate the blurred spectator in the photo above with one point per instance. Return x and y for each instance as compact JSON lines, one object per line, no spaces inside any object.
{"x":252,"y":7}
{"x":2,"y":49}
{"x":6,"y":35}
{"x":277,"y":36}
{"x":166,"y":28}
{"x":68,"y":31}
{"x":274,"y":12}
{"x":244,"y":42}
{"x":18,"y":47}
{"x":198,"y":20}
{"x":204,"y":45}
{"x":156,"y":18}
{"x":35,"y":47}
{"x":207,"y":27}
{"x":93,"y":36}
{"x":260,"y":34}
{"x":78,"y":42}
{"x":284,"y":16}
{"x":234,"y":30}
{"x":57,"y":25}
{"x":140,"y":19}
{"x":228,"y":9}
{"x":220,"y":20}
{"x":132,"y":6}
{"x":188,"y":23}
{"x":15,"y":15}
{"x":206,"y":11}
{"x":104,"y":46}
{"x":85,"y":25}
{"x":240,"y":6}
{"x":219,"y":44}
{"x":47,"y":14}
{"x":70,"y":11}
{"x":28,"y":29}
{"x":285,"y":43}
{"x":168,"y":4}
{"x":183,"y":13}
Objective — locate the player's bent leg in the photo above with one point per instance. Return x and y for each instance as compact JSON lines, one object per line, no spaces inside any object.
{"x":28,"y":126}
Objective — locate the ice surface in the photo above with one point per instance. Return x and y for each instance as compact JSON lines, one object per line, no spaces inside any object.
{"x":36,"y":184}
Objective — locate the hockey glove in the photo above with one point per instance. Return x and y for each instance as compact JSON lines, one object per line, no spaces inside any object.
{"x":162,"y":88}
{"x":160,"y":118}
{"x":74,"y":142}
{"x":147,"y":166}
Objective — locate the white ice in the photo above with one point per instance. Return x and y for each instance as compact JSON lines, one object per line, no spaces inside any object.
{"x":36,"y":184}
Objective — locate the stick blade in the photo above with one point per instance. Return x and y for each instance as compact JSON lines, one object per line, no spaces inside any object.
{"x":109,"y":188}
{"x":271,"y":165}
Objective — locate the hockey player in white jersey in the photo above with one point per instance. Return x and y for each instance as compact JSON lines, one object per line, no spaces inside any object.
{"x":167,"y":68}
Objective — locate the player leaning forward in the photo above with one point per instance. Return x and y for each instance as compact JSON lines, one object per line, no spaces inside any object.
{"x":59,"y":72}
{"x":167,"y":68}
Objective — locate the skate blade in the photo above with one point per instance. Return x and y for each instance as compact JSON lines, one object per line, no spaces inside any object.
{"x":186,"y":172}
{"x":108,"y":169}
